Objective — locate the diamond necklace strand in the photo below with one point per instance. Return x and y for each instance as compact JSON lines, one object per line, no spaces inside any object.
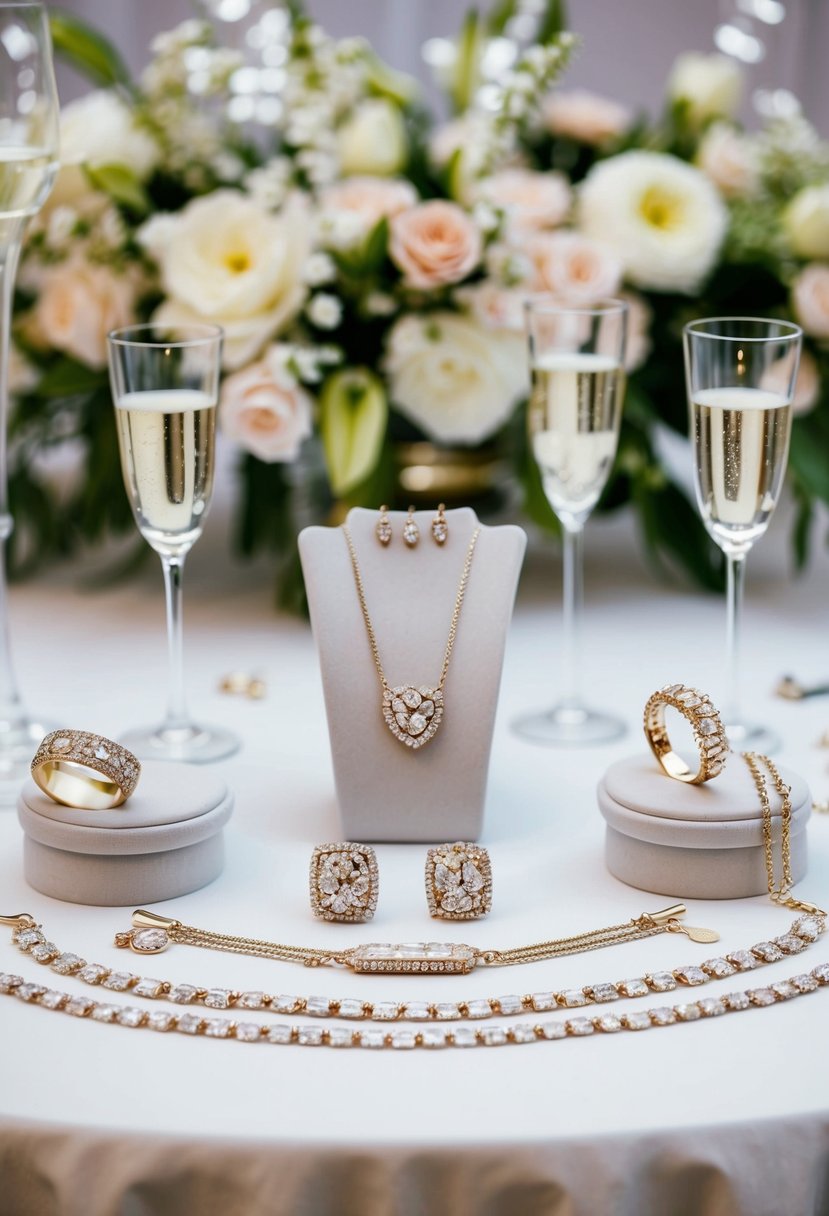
{"x":30,"y":939}
{"x":412,"y":714}
{"x":428,"y":1037}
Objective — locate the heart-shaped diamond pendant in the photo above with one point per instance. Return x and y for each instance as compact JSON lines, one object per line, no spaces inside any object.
{"x":413,"y":715}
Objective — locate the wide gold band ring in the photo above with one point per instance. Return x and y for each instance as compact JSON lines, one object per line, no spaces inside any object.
{"x":709,"y":733}
{"x":85,"y":771}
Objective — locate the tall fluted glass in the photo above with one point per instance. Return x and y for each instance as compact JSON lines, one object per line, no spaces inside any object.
{"x":740,"y":374}
{"x":28,"y":163}
{"x":165,"y":385}
{"x":577,"y":368}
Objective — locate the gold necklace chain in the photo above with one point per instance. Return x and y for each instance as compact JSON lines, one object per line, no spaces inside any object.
{"x":431,"y":1037}
{"x":453,"y":627}
{"x":31,"y":940}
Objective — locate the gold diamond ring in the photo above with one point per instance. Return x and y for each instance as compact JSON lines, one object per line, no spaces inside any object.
{"x":709,"y":733}
{"x":85,"y":771}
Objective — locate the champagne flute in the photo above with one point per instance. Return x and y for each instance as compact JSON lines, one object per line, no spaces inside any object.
{"x":577,"y":362}
{"x":740,"y":374}
{"x":165,"y":385}
{"x":28,"y":164}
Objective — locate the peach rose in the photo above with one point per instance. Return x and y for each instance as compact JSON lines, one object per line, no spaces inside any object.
{"x":264,"y":408}
{"x":79,"y":304}
{"x":494,"y":306}
{"x":574,"y":268}
{"x":434,"y":244}
{"x":806,"y":386}
{"x":585,"y":116}
{"x":370,"y":198}
{"x":530,"y":200}
{"x":810,"y":293}
{"x":729,"y":159}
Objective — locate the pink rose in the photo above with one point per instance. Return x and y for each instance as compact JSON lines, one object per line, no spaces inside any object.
{"x":811,"y":299}
{"x":530,"y":200}
{"x":806,"y":386}
{"x":574,"y":268}
{"x":585,"y":116}
{"x":494,"y":306}
{"x":434,"y":243}
{"x":730,"y":160}
{"x":79,"y":304}
{"x":265,"y":410}
{"x":370,"y":198}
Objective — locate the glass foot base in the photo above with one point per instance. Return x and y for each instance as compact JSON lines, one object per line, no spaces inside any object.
{"x":749,"y":737}
{"x":191,"y":744}
{"x":569,"y":726}
{"x":18,"y":743}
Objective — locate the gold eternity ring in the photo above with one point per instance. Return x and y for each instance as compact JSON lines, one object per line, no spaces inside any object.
{"x":85,"y":771}
{"x":709,"y":733}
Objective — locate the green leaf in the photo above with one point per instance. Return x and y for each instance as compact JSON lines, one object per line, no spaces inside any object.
{"x":87,"y":50}
{"x":384,"y":81}
{"x":68,"y":378}
{"x":466,"y":72}
{"x":554,"y":21}
{"x":121,"y":184}
{"x":353,"y":416}
{"x":376,"y":246}
{"x":498,"y":18}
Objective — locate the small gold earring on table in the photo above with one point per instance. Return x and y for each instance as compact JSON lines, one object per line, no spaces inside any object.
{"x":383,"y":529}
{"x":440,"y":528}
{"x":411,"y":532}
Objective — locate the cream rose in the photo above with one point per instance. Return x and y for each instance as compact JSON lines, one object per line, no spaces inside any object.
{"x":574,"y":268}
{"x":530,"y":200}
{"x":225,"y":260}
{"x":373,"y":140}
{"x":79,"y":304}
{"x":369,"y":198}
{"x":494,"y":306}
{"x":265,"y":410}
{"x":453,"y":378}
{"x":662,"y":218}
{"x":585,"y":116}
{"x":810,"y":293}
{"x":730,"y":160}
{"x":434,"y":244}
{"x":99,"y":129}
{"x":711,"y":86}
{"x":806,"y":222}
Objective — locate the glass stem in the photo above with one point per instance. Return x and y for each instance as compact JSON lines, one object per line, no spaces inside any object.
{"x":177,"y":717}
{"x":12,"y":712}
{"x":735,"y":580}
{"x":572,"y":618}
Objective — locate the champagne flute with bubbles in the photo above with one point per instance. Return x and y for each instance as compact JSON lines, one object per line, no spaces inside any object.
{"x":740,"y":374}
{"x":577,"y":365}
{"x":165,"y":385}
{"x":28,"y":163}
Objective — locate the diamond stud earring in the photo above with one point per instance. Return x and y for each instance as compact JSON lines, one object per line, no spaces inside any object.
{"x":440,"y":528}
{"x":344,"y":882}
{"x":411,"y":532}
{"x":383,"y":528}
{"x":458,"y":881}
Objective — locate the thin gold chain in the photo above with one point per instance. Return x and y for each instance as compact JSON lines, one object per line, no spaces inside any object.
{"x":453,"y":628}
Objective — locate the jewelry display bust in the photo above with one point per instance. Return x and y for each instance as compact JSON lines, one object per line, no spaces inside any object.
{"x":385,"y":791}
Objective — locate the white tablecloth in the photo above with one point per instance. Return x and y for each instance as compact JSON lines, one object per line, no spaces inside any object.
{"x":729,"y":1116}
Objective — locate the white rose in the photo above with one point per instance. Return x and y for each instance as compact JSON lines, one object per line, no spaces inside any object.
{"x":662,"y":217}
{"x":225,"y":260}
{"x":467,"y":135}
{"x":810,"y":293}
{"x":265,"y":410}
{"x":806,"y":222}
{"x":730,"y":160}
{"x":455,"y":379}
{"x":99,"y":129}
{"x":373,"y":140}
{"x":574,"y":268}
{"x":494,"y":306}
{"x":531,"y":201}
{"x":710,"y":85}
{"x":584,"y":116}
{"x":79,"y":304}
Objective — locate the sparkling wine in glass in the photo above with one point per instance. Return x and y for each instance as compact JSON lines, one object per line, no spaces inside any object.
{"x":28,"y":164}
{"x":740,"y":374}
{"x":577,"y":358}
{"x":165,"y":384}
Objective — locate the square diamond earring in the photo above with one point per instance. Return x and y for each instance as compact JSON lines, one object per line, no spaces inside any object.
{"x":458,"y":881}
{"x":344,"y":882}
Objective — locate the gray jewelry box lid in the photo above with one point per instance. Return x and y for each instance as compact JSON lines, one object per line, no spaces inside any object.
{"x":174,"y":805}
{"x":639,"y":800}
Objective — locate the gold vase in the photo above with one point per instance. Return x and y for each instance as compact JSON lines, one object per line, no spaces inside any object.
{"x":427,"y":473}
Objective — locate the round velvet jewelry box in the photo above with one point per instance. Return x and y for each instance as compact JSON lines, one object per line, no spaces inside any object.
{"x":165,"y":841}
{"x":696,"y":841}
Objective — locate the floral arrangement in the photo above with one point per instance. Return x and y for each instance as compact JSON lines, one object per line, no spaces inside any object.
{"x":369,"y":265}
